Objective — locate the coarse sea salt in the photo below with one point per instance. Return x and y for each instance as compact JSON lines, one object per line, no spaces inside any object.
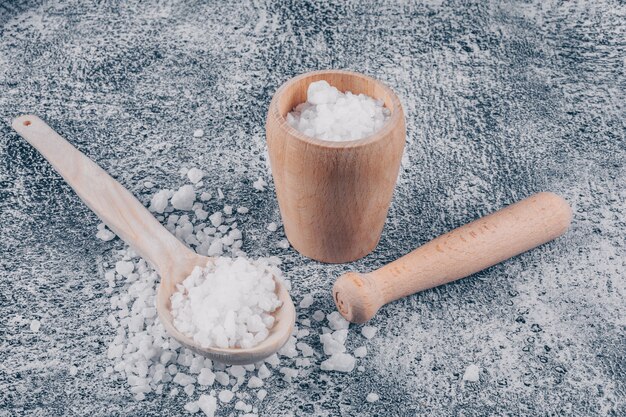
{"x":329,"y":114}
{"x":152,"y":363}
{"x":472,"y":373}
{"x":227,"y":304}
{"x":372,"y":397}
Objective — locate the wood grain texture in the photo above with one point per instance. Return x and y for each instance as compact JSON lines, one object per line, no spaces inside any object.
{"x":134,"y":224}
{"x":468,"y":249}
{"x":334,"y":196}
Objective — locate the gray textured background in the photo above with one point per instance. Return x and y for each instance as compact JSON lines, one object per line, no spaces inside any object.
{"x":502,"y":99}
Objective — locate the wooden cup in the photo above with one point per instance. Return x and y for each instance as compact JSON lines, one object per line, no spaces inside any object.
{"x":334,"y":196}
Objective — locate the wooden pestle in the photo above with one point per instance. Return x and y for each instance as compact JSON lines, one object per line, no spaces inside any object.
{"x":457,"y":254}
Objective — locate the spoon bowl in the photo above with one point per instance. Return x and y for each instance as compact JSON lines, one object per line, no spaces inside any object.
{"x":135,"y":225}
{"x":279,"y":333}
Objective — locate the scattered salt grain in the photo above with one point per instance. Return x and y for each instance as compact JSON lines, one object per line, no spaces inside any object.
{"x":184,"y":198}
{"x":198,"y":133}
{"x":305,"y":349}
{"x":104,"y":233}
{"x":158,"y":203}
{"x":208,"y":404}
{"x":242,"y":210}
{"x":283,"y":244}
{"x":124,"y":268}
{"x":35,"y":325}
{"x":318,"y":315}
{"x":261,"y":394}
{"x":472,"y":373}
{"x":148,"y":184}
{"x":192,"y":407}
{"x":264,"y":372}
{"x":255,"y":382}
{"x":369,"y":331}
{"x":307,"y":301}
{"x":206,"y":377}
{"x":195,"y":175}
{"x":337,"y":321}
{"x":216,"y":218}
{"x":259,"y":184}
{"x":227,"y":304}
{"x":73,"y":370}
{"x":272,"y":227}
{"x":360,"y":352}
{"x":340,"y":362}
{"x":226,"y":396}
{"x":329,"y":114}
{"x":372,"y":397}
{"x":205,"y":196}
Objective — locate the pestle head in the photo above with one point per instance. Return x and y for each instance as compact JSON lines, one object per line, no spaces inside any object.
{"x":357,"y":297}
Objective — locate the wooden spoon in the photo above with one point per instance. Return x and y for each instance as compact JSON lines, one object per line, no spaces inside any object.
{"x":464,"y":251}
{"x":135,"y":225}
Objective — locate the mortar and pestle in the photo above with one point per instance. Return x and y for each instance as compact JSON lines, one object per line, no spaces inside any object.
{"x":334,"y":196}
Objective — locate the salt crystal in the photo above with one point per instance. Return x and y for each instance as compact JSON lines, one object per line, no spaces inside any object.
{"x":305,"y":349}
{"x":198,"y":133}
{"x":264,"y":372}
{"x":158,"y":203}
{"x":255,"y":382}
{"x":206,"y":377}
{"x":472,"y":373}
{"x":183,"y":379}
{"x":372,"y":397}
{"x":222,"y":378}
{"x":124,"y":268}
{"x":104,"y":233}
{"x":330,"y":345}
{"x":189,"y":389}
{"x":329,"y":114}
{"x":340,"y":362}
{"x":360,"y":352}
{"x":205,"y":196}
{"x":288,"y":373}
{"x":337,"y":321}
{"x":35,"y":325}
{"x":261,"y":394}
{"x":319,"y":315}
{"x":226,"y":396}
{"x":237,"y":371}
{"x":283,"y":244}
{"x":73,"y":370}
{"x":195,"y":175}
{"x":272,"y":227}
{"x":184,"y":198}
{"x":192,"y":407}
{"x":220,"y":194}
{"x":216,"y":219}
{"x":148,"y":184}
{"x":259,"y":184}
{"x":307,"y":301}
{"x":242,"y":210}
{"x":208,"y":404}
{"x":369,"y":331}
{"x":228,"y":210}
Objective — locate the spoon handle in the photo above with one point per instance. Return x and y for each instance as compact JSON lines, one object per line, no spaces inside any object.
{"x":457,"y":254}
{"x":113,"y":203}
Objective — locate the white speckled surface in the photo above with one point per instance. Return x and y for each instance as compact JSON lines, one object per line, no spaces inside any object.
{"x":502,"y":99}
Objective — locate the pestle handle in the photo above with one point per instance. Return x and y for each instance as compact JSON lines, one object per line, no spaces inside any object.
{"x":466,"y":250}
